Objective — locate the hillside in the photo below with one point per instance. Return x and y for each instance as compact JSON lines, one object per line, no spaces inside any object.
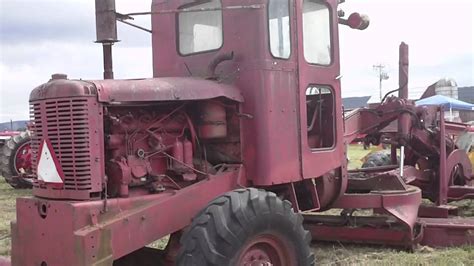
{"x":16,"y":125}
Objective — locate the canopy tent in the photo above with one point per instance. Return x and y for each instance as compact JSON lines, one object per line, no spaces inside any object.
{"x":448,"y":103}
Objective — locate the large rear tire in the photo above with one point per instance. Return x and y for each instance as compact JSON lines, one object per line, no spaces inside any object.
{"x":378,"y":158}
{"x":15,"y":160}
{"x":246,"y":227}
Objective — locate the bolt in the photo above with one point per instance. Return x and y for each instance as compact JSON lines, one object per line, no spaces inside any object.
{"x":141,"y":153}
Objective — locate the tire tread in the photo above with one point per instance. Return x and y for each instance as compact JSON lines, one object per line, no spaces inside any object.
{"x":7,"y":169}
{"x":218,"y":229}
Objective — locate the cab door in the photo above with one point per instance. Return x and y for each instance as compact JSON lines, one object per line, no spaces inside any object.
{"x":321,"y":120}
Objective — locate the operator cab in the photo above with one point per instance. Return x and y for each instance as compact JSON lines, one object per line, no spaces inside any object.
{"x":284,"y":57}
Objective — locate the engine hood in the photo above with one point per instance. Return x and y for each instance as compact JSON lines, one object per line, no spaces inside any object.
{"x":63,"y":88}
{"x":138,"y":90}
{"x":163,"y":89}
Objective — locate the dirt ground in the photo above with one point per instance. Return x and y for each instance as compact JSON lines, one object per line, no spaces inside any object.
{"x":326,"y":253}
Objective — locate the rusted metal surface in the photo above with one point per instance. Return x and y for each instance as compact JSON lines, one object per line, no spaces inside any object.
{"x":384,"y":180}
{"x":142,"y":157}
{"x":63,"y":88}
{"x":187,"y":10}
{"x":458,"y":158}
{"x":268,"y":249}
{"x":142,"y":90}
{"x":312,"y":74}
{"x":403,"y":71}
{"x":95,"y":237}
{"x":106,"y":31}
{"x":390,"y":234}
{"x":108,"y":63}
{"x":450,"y":172}
{"x":163,"y":89}
{"x":106,"y":24}
{"x":73,"y":126}
{"x":401,"y":204}
{"x":8,"y":134}
{"x":273,"y":106}
{"x":439,"y":232}
{"x":443,"y":173}
{"x":454,"y":128}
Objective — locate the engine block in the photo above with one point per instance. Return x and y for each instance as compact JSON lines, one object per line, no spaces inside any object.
{"x":149,"y":146}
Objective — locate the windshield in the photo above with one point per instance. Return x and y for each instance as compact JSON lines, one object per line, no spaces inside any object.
{"x":316,"y":33}
{"x":200,"y":31}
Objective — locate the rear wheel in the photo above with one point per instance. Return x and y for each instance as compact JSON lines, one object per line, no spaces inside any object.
{"x":246,"y":227}
{"x":15,"y":161}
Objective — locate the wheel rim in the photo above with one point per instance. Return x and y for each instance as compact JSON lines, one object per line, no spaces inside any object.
{"x":22,"y":159}
{"x":266,"y":250}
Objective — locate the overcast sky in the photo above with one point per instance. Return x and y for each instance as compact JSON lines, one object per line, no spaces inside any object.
{"x":41,"y":37}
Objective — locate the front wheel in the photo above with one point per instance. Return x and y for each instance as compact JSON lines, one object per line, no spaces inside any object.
{"x":246,"y":227}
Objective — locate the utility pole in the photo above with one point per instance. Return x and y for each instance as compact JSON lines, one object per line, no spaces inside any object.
{"x":383,"y":75}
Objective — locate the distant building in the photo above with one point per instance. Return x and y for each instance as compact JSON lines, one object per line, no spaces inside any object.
{"x":448,"y":87}
{"x":351,"y":103}
{"x":466,"y":94}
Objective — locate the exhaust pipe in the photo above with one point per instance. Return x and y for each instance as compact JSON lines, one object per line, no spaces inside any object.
{"x":403,"y":71}
{"x":106,"y":31}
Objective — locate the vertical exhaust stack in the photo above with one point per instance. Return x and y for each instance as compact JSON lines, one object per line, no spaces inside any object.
{"x":106,"y":29}
{"x":403,"y":71}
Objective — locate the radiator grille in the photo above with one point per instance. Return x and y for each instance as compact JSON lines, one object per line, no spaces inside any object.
{"x":65,"y":123}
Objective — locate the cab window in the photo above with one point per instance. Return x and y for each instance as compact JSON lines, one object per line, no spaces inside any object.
{"x":200,"y":31}
{"x":316,"y":32}
{"x":279,"y":28}
{"x":320,"y":108}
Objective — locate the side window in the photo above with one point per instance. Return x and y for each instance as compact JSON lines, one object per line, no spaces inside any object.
{"x":320,"y":108}
{"x":279,"y":28}
{"x":316,"y":32}
{"x":200,"y":31}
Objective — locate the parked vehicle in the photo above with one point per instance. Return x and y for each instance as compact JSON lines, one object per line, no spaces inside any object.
{"x":15,"y":158}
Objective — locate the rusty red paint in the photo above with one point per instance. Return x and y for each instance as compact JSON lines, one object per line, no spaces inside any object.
{"x":220,"y":125}
{"x":163,"y":89}
{"x":128,"y":224}
{"x":267,"y":249}
{"x":74,"y":127}
{"x":439,"y":232}
{"x":23,"y":159}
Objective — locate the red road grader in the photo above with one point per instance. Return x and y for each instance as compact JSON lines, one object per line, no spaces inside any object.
{"x":233,"y":148}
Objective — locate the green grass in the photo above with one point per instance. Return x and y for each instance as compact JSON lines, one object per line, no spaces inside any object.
{"x":8,"y":197}
{"x":326,"y":253}
{"x":356,"y":154}
{"x":342,"y":254}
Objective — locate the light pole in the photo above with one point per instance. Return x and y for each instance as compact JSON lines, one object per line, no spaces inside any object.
{"x":383,"y":75}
